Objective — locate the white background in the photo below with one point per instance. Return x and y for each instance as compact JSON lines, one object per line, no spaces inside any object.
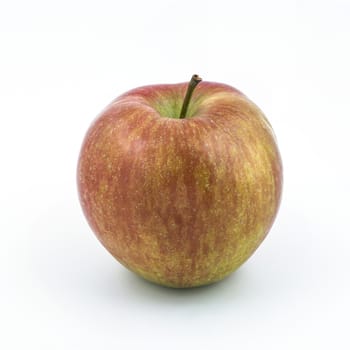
{"x":61,"y":62}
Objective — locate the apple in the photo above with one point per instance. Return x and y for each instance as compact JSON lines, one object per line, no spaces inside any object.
{"x":180,"y":182}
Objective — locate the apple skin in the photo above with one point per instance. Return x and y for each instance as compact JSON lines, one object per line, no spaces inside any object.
{"x":181,"y":202}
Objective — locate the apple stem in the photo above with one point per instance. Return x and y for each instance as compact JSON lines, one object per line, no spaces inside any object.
{"x":195,"y":80}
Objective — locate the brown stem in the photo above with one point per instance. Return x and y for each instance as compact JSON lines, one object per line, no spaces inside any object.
{"x":195,"y":80}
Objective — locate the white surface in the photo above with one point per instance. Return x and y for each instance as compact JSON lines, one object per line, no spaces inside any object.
{"x":62,"y":62}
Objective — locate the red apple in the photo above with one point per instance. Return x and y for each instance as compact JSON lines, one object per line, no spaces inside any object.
{"x":181,"y":188}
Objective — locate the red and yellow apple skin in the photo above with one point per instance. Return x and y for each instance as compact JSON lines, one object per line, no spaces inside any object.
{"x":181,"y":202}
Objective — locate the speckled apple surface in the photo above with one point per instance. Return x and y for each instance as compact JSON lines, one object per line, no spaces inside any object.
{"x":181,"y":202}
